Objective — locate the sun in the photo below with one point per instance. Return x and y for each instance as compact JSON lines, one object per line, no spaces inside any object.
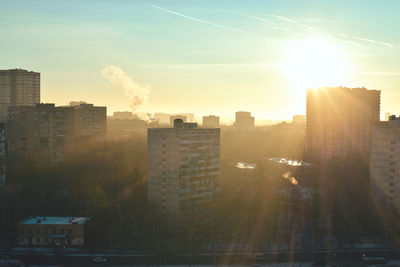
{"x":315,"y":62}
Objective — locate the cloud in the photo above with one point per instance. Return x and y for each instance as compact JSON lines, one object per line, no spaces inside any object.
{"x":138,"y":95}
{"x":195,"y":19}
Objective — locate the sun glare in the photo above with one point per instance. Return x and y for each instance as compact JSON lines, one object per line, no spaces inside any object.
{"x":315,"y":62}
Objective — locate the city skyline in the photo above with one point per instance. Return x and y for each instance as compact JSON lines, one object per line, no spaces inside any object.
{"x":222,"y":57}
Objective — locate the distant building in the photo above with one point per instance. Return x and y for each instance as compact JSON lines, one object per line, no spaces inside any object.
{"x":189,"y":116}
{"x":2,"y":155}
{"x":165,"y":118}
{"x":123,"y":115}
{"x":299,"y":119}
{"x":46,"y":132}
{"x":339,"y":120}
{"x":51,"y":231}
{"x":244,"y":120}
{"x":172,"y":118}
{"x":76,"y":103}
{"x":387,"y":115}
{"x":18,"y":87}
{"x":210,"y":121}
{"x":385,"y":162}
{"x":183,"y":169}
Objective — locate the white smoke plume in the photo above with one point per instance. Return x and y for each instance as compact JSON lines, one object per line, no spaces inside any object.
{"x":138,"y":94}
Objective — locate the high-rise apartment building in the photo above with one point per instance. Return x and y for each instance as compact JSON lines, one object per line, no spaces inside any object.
{"x":2,"y":155}
{"x":244,"y":120}
{"x":45,"y":131}
{"x":210,"y":121}
{"x":183,"y":169}
{"x":18,"y":87}
{"x":339,"y":121}
{"x":385,"y":162}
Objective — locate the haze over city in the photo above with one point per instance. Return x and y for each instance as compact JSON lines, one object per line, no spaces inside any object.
{"x":199,"y":133}
{"x":205,"y":56}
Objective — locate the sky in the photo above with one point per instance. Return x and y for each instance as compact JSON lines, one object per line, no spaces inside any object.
{"x":203,"y":56}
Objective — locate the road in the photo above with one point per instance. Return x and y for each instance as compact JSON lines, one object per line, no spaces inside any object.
{"x":86,"y":259}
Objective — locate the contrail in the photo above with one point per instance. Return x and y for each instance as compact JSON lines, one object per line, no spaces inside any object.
{"x":292,"y":21}
{"x":195,"y":19}
{"x":374,"y":42}
{"x":274,"y":25}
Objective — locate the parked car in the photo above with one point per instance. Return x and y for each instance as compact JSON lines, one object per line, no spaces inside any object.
{"x":99,"y":259}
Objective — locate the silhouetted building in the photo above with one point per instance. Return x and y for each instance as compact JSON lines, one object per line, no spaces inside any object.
{"x":385,"y":162}
{"x":76,"y":103}
{"x":90,"y":121}
{"x":244,"y":120}
{"x":339,"y":121}
{"x":2,"y":155}
{"x":165,"y":118}
{"x":174,"y":117}
{"x":210,"y":121}
{"x":46,"y":132}
{"x":299,"y":119}
{"x":51,"y":231}
{"x":18,"y":87}
{"x":123,"y":115}
{"x":183,"y":169}
{"x":387,"y":115}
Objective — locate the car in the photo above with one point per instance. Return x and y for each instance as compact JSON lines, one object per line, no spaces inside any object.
{"x":100,"y":259}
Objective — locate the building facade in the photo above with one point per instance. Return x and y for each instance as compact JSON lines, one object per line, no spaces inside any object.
{"x":18,"y":87}
{"x":244,"y":120}
{"x":339,"y":121}
{"x":385,"y":162}
{"x":210,"y":121}
{"x":183,"y":169}
{"x":51,"y":231}
{"x":47,"y":132}
{"x":2,"y":155}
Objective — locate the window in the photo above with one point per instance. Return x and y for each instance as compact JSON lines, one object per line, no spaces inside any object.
{"x":70,"y":231}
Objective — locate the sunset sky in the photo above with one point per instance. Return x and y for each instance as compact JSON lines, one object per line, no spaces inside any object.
{"x":206,"y":57}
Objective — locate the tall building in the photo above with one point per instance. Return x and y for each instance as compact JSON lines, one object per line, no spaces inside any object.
{"x":172,"y":118}
{"x":210,"y":121}
{"x":183,"y":169}
{"x":18,"y":87}
{"x":339,"y":121}
{"x":385,"y":162}
{"x":244,"y":120}
{"x":47,"y":132}
{"x":90,"y":121}
{"x":2,"y":155}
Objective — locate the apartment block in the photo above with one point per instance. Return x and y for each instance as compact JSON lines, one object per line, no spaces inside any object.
{"x":210,"y":121}
{"x":385,"y":162}
{"x":183,"y":169}
{"x":339,"y":121}
{"x":18,"y":88}
{"x":47,"y":132}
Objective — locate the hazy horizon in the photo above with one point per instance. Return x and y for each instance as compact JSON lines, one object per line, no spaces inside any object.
{"x":203,"y":57}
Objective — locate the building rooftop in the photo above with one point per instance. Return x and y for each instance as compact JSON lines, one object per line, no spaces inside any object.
{"x":54,"y":220}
